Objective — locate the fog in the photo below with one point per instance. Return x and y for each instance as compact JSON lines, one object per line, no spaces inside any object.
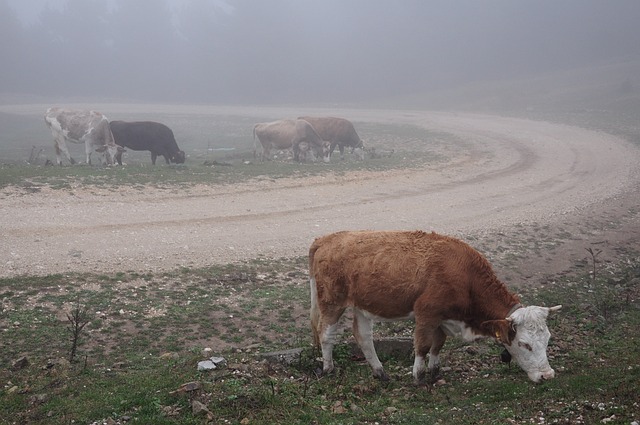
{"x":298,"y":51}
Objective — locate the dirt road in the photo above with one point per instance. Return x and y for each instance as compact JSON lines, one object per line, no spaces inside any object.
{"x":512,"y":173}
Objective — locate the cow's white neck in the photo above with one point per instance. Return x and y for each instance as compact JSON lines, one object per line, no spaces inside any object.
{"x":459,"y":329}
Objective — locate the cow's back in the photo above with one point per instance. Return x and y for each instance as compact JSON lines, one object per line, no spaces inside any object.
{"x":334,"y":129}
{"x":384,"y":271}
{"x":278,"y":134}
{"x":305,"y":131}
{"x":76,"y":125}
{"x":144,"y":135}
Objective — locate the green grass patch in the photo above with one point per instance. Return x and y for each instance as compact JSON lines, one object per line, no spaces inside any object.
{"x":147,"y":334}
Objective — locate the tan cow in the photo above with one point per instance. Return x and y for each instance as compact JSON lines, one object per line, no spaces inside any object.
{"x":339,"y":131}
{"x":296,"y":135}
{"x":442,"y":283}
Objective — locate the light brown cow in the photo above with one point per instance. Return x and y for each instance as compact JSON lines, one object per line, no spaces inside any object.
{"x":339,"y":131}
{"x":442,"y":283}
{"x":297,"y":135}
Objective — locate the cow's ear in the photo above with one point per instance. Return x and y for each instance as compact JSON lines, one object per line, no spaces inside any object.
{"x":556,"y":308}
{"x":501,"y":330}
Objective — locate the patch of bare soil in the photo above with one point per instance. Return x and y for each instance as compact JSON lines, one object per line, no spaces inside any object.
{"x":530,"y":194}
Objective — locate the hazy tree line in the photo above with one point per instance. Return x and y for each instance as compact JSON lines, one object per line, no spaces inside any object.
{"x":134,"y":50}
{"x":296,"y":50}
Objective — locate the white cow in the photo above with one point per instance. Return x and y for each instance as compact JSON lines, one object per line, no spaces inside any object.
{"x":80,"y":126}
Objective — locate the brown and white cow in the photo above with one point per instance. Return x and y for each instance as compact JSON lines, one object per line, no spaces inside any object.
{"x":339,"y":131}
{"x":286,"y":134}
{"x":446,"y":286}
{"x":81,"y":126}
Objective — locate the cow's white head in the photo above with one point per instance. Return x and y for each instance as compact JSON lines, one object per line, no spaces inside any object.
{"x":110,"y":154}
{"x":525,"y":335}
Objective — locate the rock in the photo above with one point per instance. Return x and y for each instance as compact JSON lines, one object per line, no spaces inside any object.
{"x":169,"y":356}
{"x":200,"y":409}
{"x":286,"y":357}
{"x":356,"y":409}
{"x":188,"y":387}
{"x":338,"y":408}
{"x":218,"y":361}
{"x":206,"y":365}
{"x":240,"y":367}
{"x":38,"y":399}
{"x":21,"y":363}
{"x":212,"y":363}
{"x":390,"y":411}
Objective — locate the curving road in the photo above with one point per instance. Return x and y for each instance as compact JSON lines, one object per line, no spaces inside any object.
{"x":507,"y":173}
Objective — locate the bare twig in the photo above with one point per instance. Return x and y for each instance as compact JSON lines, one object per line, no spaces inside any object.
{"x":78,"y":319}
{"x":594,"y":258}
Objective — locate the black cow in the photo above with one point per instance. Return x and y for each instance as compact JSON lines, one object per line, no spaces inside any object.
{"x":147,"y":136}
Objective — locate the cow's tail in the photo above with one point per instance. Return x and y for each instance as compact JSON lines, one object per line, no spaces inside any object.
{"x":315,"y":309}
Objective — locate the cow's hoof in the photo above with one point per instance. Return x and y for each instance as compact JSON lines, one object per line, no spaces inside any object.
{"x":381,"y":375}
{"x":434,"y":375}
{"x":321,"y":372}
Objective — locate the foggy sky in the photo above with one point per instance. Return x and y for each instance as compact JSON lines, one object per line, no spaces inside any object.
{"x":298,"y":51}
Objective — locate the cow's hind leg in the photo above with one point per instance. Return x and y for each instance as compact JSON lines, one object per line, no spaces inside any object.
{"x":328,"y":329}
{"x":363,"y":332}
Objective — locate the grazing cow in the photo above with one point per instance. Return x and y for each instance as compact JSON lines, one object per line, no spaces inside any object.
{"x":297,"y":135}
{"x":339,"y":131}
{"x":88,"y":127}
{"x":442,"y":283}
{"x":147,"y":136}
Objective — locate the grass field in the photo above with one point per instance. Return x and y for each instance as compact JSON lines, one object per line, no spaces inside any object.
{"x":145,"y":335}
{"x":136,"y":357}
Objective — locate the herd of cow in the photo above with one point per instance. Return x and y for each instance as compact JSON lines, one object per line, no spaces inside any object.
{"x":110,"y":139}
{"x":316,"y":135}
{"x":446,"y":286}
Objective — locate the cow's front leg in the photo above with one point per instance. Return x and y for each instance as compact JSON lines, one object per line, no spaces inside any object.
{"x":439,"y":337}
{"x":87,"y":151}
{"x":363,"y":331}
{"x":428,"y":338}
{"x":61,"y":148}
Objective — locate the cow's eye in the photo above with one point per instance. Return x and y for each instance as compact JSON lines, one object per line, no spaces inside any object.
{"x":525,"y":345}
